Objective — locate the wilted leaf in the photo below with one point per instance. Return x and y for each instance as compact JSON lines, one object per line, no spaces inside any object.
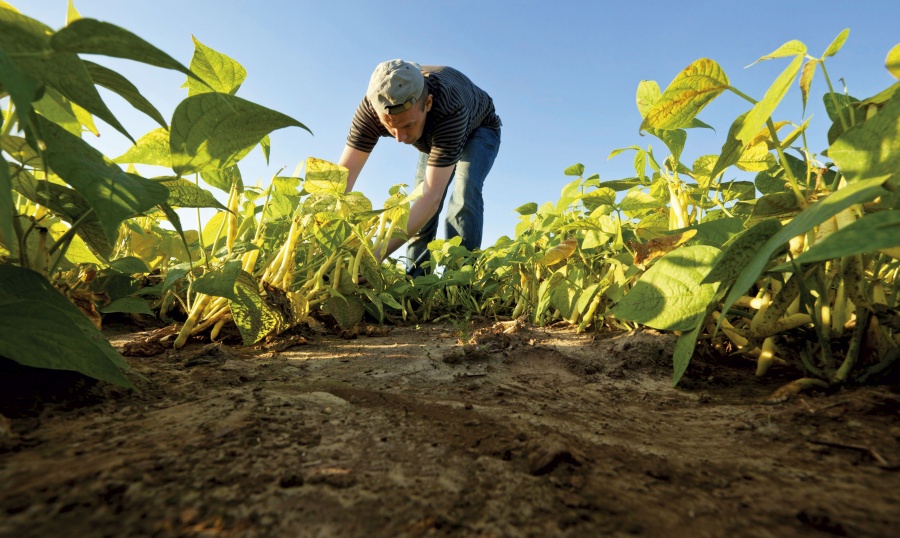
{"x":560,"y":252}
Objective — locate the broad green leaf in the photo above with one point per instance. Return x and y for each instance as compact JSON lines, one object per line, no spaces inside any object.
{"x":806,"y":78}
{"x":527,"y":209}
{"x":762,"y":110}
{"x":780,"y":205}
{"x":716,"y":233}
{"x":120,"y":85}
{"x":855,"y":193}
{"x":689,"y":92}
{"x":113,"y":194}
{"x":184,"y":193}
{"x":323,"y":177}
{"x":129,"y":265}
{"x":870,"y":149}
{"x":68,"y":205}
{"x":670,"y":295}
{"x":41,"y":328}
{"x":756,"y":158}
{"x":128,"y":305}
{"x":220,"y":73}
{"x":741,"y":250}
{"x":58,"y":109}
{"x":152,"y":149}
{"x":873,"y":232}
{"x":89,"y":36}
{"x":211,"y":131}
{"x":18,"y":148}
{"x":836,"y":103}
{"x":575,"y":170}
{"x":347,"y":310}
{"x":254,"y":318}
{"x":702,"y":170}
{"x":637,"y":200}
{"x":892,"y":62}
{"x":21,"y":87}
{"x":224,"y":178}
{"x":266,"y":145}
{"x":599,"y":197}
{"x":221,"y":282}
{"x":837,"y":43}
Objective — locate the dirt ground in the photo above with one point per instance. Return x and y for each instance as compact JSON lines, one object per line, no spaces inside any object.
{"x":407,"y":432}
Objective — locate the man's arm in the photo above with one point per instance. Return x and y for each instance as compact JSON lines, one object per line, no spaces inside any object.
{"x":436,"y":180}
{"x":354,"y":160}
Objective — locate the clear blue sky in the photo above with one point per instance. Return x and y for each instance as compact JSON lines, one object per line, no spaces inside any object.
{"x":563,"y":74}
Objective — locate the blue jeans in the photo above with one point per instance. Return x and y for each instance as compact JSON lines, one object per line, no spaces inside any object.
{"x":465,"y":211}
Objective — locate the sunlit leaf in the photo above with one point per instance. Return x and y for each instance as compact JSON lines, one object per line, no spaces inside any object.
{"x":211,"y":131}
{"x":669,"y":296}
{"x":870,"y":149}
{"x":689,"y":92}
{"x":575,"y":170}
{"x":873,"y":232}
{"x":648,"y":94}
{"x":323,"y":177}
{"x":560,"y":252}
{"x":113,"y":194}
{"x":791,"y":48}
{"x":152,"y":149}
{"x":254,"y":318}
{"x":837,"y":43}
{"x":806,"y":78}
{"x":762,"y":110}
{"x":221,"y":282}
{"x":184,"y":193}
{"x":224,"y":178}
{"x":220,"y":72}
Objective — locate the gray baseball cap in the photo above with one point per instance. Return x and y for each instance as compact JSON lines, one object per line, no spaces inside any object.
{"x":395,"y":86}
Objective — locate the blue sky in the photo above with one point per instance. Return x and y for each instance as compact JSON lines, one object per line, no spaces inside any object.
{"x":563,"y":74}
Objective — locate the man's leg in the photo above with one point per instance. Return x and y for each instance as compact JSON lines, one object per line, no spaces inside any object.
{"x":465,"y":210}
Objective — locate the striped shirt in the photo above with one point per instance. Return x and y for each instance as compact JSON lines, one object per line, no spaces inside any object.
{"x":458,"y":108}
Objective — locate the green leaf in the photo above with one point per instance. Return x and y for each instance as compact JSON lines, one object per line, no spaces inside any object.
{"x":637,"y":200}
{"x":575,"y":170}
{"x":670,"y":295}
{"x":836,"y":45}
{"x":740,"y":251}
{"x":210,"y":131}
{"x":221,"y":282}
{"x":684,"y":352}
{"x":648,"y":94}
{"x":323,"y":177}
{"x":762,"y":110}
{"x":224,"y":178}
{"x":347,"y":310}
{"x":254,"y":318}
{"x":22,"y":88}
{"x":873,"y":232}
{"x":68,"y":205}
{"x":221,"y":73}
{"x":41,"y":328}
{"x":7,"y":209}
{"x":18,"y":148}
{"x":791,"y":48}
{"x":689,"y":92}
{"x":128,"y":305}
{"x":184,"y":193}
{"x":674,"y":139}
{"x":806,"y":78}
{"x":129,"y":265}
{"x":825,"y":208}
{"x":870,"y":149}
{"x":120,"y":85}
{"x":113,"y":194}
{"x":152,"y":149}
{"x":732,"y":149}
{"x":892,"y":62}
{"x":89,"y":36}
